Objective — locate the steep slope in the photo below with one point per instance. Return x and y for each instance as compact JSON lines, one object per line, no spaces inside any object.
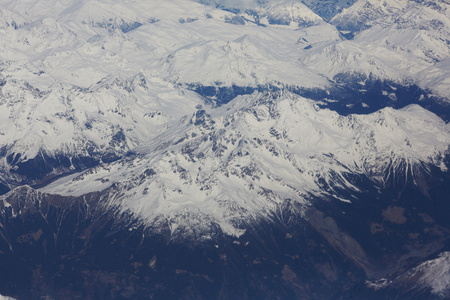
{"x":265,"y":149}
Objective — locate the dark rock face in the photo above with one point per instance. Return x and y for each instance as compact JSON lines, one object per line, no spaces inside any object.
{"x":327,"y":9}
{"x":80,"y":247}
{"x":46,"y":167}
{"x":39,"y":166}
{"x":118,"y":25}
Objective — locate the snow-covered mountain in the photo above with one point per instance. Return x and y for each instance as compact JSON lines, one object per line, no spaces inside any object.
{"x":415,"y":34}
{"x":57,"y":57}
{"x":267,"y":149}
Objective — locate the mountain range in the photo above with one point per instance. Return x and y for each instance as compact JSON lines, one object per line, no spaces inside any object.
{"x":258,"y":149}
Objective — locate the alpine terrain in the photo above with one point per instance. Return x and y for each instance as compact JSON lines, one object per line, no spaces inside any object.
{"x":225,"y":149}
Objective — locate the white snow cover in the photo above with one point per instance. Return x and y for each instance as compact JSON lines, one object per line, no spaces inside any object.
{"x":436,"y":274}
{"x":81,"y":42}
{"x":244,"y":160}
{"x":292,"y":10}
{"x":363,"y":11}
{"x":68,"y":68}
{"x":74,"y":74}
{"x":66,"y":118}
